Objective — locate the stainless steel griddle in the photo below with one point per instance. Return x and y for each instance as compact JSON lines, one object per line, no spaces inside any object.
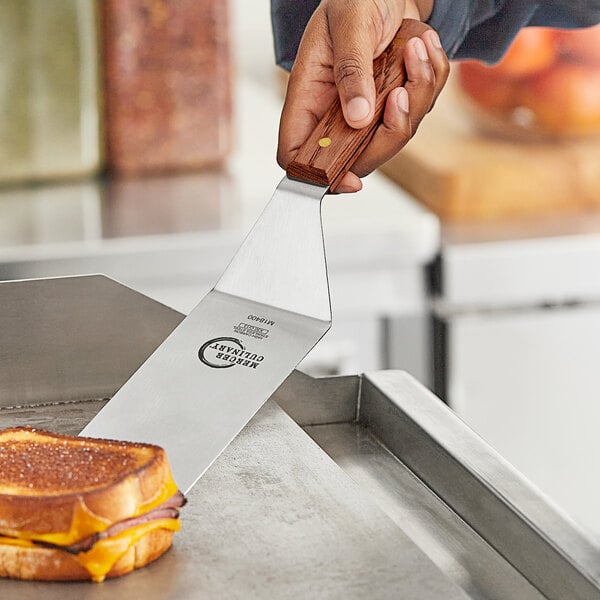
{"x":396,"y":499}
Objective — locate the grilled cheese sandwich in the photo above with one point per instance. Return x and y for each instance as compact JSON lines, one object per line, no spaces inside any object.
{"x":80,"y":508}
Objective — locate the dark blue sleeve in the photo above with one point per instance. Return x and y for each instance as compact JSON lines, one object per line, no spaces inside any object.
{"x":289,"y":19}
{"x":468,"y":28}
{"x":484,"y":29}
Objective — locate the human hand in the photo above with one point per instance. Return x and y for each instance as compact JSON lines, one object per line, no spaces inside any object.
{"x":336,"y":57}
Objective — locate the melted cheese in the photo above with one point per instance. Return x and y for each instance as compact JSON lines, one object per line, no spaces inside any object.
{"x":101,"y":558}
{"x":86,"y":523}
{"x":16,"y":542}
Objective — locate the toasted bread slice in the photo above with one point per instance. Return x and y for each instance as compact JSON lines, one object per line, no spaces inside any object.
{"x":56,"y":490}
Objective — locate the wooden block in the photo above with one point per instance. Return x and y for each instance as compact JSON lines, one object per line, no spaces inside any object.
{"x":167,"y":84}
{"x":463,"y":174}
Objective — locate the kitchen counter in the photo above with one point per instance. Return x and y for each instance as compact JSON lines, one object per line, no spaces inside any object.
{"x":521,"y":262}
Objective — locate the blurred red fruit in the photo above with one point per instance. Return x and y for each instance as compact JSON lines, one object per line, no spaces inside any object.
{"x":531,"y":51}
{"x":565,"y":99}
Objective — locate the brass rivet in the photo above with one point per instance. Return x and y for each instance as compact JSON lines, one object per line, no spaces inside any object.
{"x":324,"y":142}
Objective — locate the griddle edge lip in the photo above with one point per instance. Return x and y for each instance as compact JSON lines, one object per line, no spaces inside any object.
{"x":481,"y":487}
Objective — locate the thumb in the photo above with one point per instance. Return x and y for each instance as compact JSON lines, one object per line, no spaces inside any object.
{"x":353,"y":71}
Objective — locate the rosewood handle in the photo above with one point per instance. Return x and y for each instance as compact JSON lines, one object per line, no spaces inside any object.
{"x":333,"y":147}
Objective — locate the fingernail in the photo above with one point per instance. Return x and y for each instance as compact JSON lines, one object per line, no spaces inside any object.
{"x":434,"y":38}
{"x":421,"y":49}
{"x":402,"y":100}
{"x":358,"y":109}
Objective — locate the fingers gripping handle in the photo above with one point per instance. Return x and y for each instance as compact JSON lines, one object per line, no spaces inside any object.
{"x":333,"y":147}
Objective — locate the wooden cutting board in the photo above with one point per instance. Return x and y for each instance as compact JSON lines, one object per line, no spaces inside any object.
{"x":463,"y":174}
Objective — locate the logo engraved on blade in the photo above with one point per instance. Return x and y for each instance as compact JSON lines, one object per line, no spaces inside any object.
{"x":226,"y":352}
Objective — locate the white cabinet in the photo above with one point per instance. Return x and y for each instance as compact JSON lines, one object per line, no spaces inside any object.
{"x":529,"y":383}
{"x":518,"y":324}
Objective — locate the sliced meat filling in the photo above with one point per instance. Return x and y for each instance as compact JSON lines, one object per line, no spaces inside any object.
{"x":169,"y":509}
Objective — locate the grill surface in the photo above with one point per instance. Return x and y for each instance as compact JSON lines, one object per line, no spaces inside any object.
{"x":397,"y":497}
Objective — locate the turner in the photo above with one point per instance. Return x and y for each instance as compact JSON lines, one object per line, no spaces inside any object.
{"x":201,"y":386}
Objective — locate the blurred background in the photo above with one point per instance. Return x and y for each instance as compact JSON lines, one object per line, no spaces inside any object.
{"x":138,"y":139}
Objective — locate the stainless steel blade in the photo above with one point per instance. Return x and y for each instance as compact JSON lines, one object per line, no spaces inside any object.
{"x":209,"y":377}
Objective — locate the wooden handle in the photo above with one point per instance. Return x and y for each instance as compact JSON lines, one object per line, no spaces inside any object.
{"x":333,"y":147}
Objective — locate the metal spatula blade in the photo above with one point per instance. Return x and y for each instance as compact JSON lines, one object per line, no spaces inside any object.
{"x":271,"y":306}
{"x":209,"y":377}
